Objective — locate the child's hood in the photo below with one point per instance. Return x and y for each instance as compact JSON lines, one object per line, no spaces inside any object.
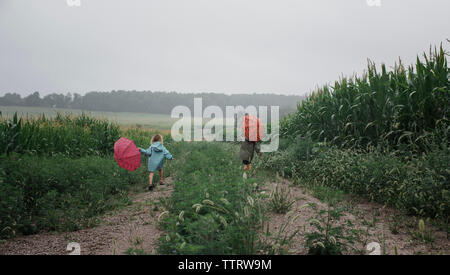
{"x":157,"y":146}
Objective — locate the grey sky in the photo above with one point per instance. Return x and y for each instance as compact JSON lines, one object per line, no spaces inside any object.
{"x":229,"y":46}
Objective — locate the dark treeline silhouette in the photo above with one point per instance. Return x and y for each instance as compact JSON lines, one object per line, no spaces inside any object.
{"x":148,"y":102}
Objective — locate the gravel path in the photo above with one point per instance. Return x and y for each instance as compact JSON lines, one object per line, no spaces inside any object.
{"x":373,"y":219}
{"x":134,"y":226}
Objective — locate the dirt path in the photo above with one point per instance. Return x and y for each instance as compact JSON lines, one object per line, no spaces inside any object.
{"x":133,"y":227}
{"x":377,"y":223}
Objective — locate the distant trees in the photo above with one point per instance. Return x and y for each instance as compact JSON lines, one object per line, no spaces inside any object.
{"x":148,"y":102}
{"x":33,"y":100}
{"x":11,"y":99}
{"x":58,"y":100}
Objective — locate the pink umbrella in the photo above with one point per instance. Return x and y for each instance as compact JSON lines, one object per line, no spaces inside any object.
{"x":127,"y":154}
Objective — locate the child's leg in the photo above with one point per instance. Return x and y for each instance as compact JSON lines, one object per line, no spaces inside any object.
{"x":246,"y":165}
{"x":150,"y":178}
{"x":161,"y":177}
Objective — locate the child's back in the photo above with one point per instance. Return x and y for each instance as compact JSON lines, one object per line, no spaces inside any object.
{"x":157,"y":153}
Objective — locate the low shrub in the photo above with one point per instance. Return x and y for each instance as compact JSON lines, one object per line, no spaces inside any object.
{"x":59,"y":193}
{"x":418,"y":185}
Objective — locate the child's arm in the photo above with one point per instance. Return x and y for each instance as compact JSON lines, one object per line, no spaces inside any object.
{"x":167,"y":154}
{"x":147,"y":152}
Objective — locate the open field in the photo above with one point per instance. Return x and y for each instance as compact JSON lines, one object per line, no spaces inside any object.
{"x":126,"y":120}
{"x":362,"y":166}
{"x":146,"y":120}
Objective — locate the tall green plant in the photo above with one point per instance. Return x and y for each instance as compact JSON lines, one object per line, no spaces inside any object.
{"x":404,"y":108}
{"x":65,"y":134}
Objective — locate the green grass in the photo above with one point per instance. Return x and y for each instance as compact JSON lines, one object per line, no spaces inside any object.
{"x":213,"y":210}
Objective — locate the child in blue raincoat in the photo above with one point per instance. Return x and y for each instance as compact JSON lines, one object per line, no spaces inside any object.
{"x":156,"y":152}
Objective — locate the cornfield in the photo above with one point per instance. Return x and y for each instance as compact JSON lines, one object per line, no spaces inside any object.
{"x":59,"y":173}
{"x":405,"y":109}
{"x":69,"y":135}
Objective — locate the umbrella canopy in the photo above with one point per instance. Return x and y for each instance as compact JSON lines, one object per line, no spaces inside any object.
{"x":253,"y":128}
{"x":127,"y":154}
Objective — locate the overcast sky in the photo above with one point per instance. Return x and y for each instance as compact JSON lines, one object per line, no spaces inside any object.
{"x":226,"y":46}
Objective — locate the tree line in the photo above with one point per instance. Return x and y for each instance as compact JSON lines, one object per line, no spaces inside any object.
{"x":147,"y":101}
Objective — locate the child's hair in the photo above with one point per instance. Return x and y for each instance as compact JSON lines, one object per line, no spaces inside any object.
{"x":156,"y":138}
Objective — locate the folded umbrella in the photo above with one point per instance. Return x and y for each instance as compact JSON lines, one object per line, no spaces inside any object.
{"x":127,"y":154}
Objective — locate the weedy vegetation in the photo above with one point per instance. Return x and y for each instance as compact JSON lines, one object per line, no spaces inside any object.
{"x":383,"y":136}
{"x":280,"y":200}
{"x":60,"y":174}
{"x":214,"y":210}
{"x":330,"y":235}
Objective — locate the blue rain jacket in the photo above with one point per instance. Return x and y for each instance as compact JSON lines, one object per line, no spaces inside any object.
{"x":156,"y":152}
